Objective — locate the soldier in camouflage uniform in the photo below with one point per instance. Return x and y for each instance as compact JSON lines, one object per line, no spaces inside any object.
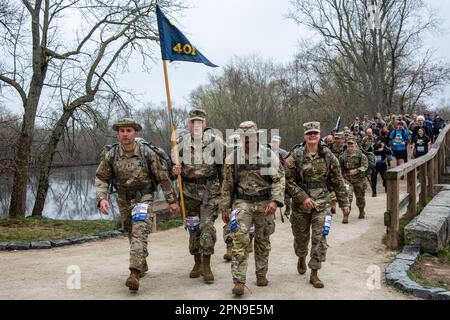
{"x":201,"y":155}
{"x":311,"y":170}
{"x":368,"y":141}
{"x":133,"y":179}
{"x":234,"y":141}
{"x":253,"y":188}
{"x":282,"y":153}
{"x":337,"y":149}
{"x":354,"y":166}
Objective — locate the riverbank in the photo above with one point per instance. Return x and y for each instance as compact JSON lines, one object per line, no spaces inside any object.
{"x":33,"y":229}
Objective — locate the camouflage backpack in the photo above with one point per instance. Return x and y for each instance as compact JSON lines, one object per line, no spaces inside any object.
{"x":110,"y":152}
{"x":370,"y":158}
{"x":297,"y":151}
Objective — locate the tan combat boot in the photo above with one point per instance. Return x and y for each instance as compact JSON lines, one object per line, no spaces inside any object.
{"x":314,"y":280}
{"x":362,"y":214}
{"x":301,"y":265}
{"x":345,"y":219}
{"x":133,"y":280}
{"x":208,"y":276}
{"x":238,"y":289}
{"x":228,"y":256}
{"x":197,"y":269}
{"x":144,"y":269}
{"x":261,"y":280}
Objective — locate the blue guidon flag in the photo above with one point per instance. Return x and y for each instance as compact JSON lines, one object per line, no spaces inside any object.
{"x":174,"y":45}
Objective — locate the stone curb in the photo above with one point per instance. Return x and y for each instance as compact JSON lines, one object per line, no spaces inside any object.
{"x":13,"y":246}
{"x":396,"y":275}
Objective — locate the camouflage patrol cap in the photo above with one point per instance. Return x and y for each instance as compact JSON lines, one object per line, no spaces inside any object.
{"x":339,"y":135}
{"x":313,"y":126}
{"x":351,"y":139}
{"x":197,"y":114}
{"x":126,"y":122}
{"x":249,"y":127}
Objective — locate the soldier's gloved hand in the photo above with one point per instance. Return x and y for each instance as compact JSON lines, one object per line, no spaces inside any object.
{"x":271,"y":207}
{"x":226,"y":217}
{"x":104,"y":206}
{"x":174,"y":208}
{"x":346,"y":211}
{"x":176,"y":169}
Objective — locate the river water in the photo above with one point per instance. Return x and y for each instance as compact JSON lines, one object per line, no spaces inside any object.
{"x":71,"y":195}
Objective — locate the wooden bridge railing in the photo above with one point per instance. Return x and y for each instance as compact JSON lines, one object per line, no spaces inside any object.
{"x":421,"y":176}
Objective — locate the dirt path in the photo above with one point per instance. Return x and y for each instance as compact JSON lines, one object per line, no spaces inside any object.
{"x":354,"y":249}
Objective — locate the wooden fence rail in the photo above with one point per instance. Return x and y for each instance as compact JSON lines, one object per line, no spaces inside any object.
{"x":421,"y":175}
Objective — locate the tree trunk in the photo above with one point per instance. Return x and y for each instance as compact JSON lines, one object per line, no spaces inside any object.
{"x":46,"y":162}
{"x":17,"y":205}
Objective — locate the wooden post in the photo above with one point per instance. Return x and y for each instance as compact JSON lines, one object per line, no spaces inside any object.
{"x":411,"y":189}
{"x":393,"y":207}
{"x":430,"y":176}
{"x":423,"y":185}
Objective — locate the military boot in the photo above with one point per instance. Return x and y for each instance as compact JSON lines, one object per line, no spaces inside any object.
{"x":228,"y":256}
{"x":133,"y":280}
{"x":238,"y":289}
{"x":144,"y":269}
{"x":301,"y":265}
{"x":345,"y":219}
{"x":261,"y":280}
{"x":314,"y":280}
{"x":362,"y":214}
{"x":197,"y":269}
{"x":208,"y":276}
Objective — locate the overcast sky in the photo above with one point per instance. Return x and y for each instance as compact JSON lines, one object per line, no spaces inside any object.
{"x":222,"y":29}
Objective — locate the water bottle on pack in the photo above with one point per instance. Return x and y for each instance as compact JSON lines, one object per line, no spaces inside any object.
{"x":234,"y":226}
{"x":327,"y":224}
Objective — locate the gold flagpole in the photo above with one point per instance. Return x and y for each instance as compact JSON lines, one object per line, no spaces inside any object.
{"x":174,"y":142}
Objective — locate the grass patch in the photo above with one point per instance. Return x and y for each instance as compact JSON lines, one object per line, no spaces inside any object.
{"x":170,"y":224}
{"x":444,"y":255}
{"x":39,"y":229}
{"x":432,"y":271}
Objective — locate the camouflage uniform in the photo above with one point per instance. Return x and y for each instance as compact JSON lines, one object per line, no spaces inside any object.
{"x":133,"y":186}
{"x":249,"y":192}
{"x":309,"y":179}
{"x":337,"y":151}
{"x":201,"y":166}
{"x":197,"y":180}
{"x":367,"y":143}
{"x":357,"y":181}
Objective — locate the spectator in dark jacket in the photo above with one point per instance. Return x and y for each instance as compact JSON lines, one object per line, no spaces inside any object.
{"x":438,"y":124}
{"x":382,"y":152}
